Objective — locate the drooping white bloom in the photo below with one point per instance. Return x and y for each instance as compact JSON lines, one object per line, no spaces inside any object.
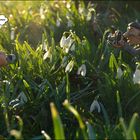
{"x":119,"y":72}
{"x":81,"y":9}
{"x":63,"y":41}
{"x":44,"y":46}
{"x":3,"y":20}
{"x":136,"y":77}
{"x":19,"y":101}
{"x":95,"y":105}
{"x":42,"y":12}
{"x":89,"y":15}
{"x":6,"y":82}
{"x":66,"y":43}
{"x":68,"y":5}
{"x":48,"y":54}
{"x":69,"y":66}
{"x":82,"y":70}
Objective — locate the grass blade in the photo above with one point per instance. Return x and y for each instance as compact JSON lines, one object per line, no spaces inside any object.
{"x":130,"y":130}
{"x":76,"y":114}
{"x":57,"y":123}
{"x":119,"y":104}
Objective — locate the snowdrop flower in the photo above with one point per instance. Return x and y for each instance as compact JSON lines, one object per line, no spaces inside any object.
{"x":22,"y":97}
{"x":66,"y":43}
{"x":42,"y":13}
{"x":95,"y":105}
{"x":58,"y":23}
{"x":119,"y":72}
{"x":81,"y":9}
{"x":15,"y":103}
{"x":69,"y":66}
{"x":63,"y":41}
{"x":44,"y":46}
{"x":3,"y":20}
{"x":68,"y":5}
{"x":19,"y":101}
{"x":48,"y":54}
{"x":6,"y":82}
{"x":136,"y":77}
{"x":82,"y":70}
{"x":89,"y":15}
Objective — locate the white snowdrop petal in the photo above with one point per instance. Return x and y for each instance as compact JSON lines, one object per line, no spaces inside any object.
{"x":95,"y":105}
{"x":63,"y":41}
{"x":83,"y":73}
{"x":6,"y":81}
{"x":44,"y":46}
{"x":119,"y":72}
{"x":66,"y":49}
{"x":16,"y":105}
{"x":82,"y":70}
{"x":79,"y":70}
{"x":69,"y":66}
{"x":42,"y":13}
{"x":136,"y":77}
{"x":46,"y":55}
{"x":70,"y":41}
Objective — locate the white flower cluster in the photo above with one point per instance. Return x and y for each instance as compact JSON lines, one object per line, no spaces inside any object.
{"x":68,"y":44}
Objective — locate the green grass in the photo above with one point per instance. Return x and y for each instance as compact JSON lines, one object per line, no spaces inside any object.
{"x":55,"y":99}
